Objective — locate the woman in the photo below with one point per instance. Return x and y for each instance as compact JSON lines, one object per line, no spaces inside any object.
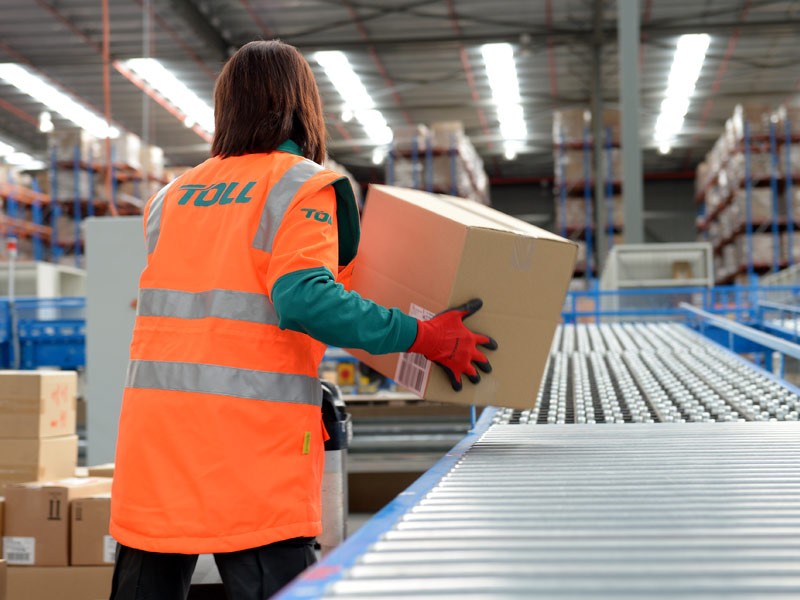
{"x":220,"y":444}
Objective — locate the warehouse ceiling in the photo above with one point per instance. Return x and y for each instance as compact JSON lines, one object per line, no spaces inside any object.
{"x":420,"y":60}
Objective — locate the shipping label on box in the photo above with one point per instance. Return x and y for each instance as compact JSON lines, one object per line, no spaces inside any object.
{"x":439,"y":252}
{"x":37,"y":403}
{"x":90,"y":542}
{"x":38,"y":519}
{"x":414,"y":369}
{"x":19,"y":550}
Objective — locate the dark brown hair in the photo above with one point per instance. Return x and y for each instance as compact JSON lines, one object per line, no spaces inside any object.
{"x":265,"y":95}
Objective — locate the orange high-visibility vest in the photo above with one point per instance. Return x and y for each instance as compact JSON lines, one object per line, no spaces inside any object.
{"x":220,"y":444}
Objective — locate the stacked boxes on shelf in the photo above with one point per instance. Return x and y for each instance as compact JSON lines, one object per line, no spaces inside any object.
{"x":77,"y":182}
{"x":747,"y":193}
{"x":439,"y":159}
{"x":24,"y":207}
{"x":574,"y":178}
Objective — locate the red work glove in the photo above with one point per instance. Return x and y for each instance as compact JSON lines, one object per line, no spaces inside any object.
{"x":445,"y":340}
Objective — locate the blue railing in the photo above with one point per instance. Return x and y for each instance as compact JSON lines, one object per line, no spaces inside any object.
{"x":736,"y":302}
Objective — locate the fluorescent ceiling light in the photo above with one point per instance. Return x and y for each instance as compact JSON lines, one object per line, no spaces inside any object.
{"x":502,"y":72}
{"x":174,"y":91}
{"x":5,"y":150}
{"x":56,"y":100}
{"x":378,"y":155}
{"x":357,"y":100}
{"x":687,"y":63}
{"x":45,"y":122}
{"x":23,"y":160}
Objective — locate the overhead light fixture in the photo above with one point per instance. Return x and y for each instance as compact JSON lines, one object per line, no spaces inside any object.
{"x":23,"y":160}
{"x":687,"y":63}
{"x":45,"y":122}
{"x":56,"y":100}
{"x":502,"y":72}
{"x":378,"y":155}
{"x":5,"y":149}
{"x":357,"y":100}
{"x":174,"y":91}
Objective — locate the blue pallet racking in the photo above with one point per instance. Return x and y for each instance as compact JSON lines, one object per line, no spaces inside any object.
{"x":584,"y":189}
{"x":769,"y":144}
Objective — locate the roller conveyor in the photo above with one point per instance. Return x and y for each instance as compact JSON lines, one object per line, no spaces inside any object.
{"x":619,"y":510}
{"x":650,"y":373}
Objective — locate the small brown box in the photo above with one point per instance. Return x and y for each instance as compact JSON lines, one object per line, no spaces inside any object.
{"x":37,"y":519}
{"x":37,"y":403}
{"x":104,"y":470}
{"x":681,"y":269}
{"x":91,"y":544}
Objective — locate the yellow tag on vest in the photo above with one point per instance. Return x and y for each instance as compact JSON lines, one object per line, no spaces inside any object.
{"x":307,"y":442}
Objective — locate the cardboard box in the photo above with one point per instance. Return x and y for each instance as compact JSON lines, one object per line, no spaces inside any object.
{"x":37,"y":519}
{"x":37,"y":403}
{"x":104,"y":470}
{"x":37,"y":459}
{"x":91,"y":543}
{"x":436,"y":252}
{"x":61,"y":583}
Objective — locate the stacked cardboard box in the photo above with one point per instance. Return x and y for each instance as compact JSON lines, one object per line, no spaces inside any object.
{"x":574,"y":216}
{"x":38,"y":521}
{"x":57,"y":541}
{"x":37,"y":426}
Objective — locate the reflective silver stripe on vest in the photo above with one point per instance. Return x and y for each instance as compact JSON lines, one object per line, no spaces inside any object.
{"x":222,"y":304}
{"x":153,"y":228}
{"x":224,"y":381}
{"x":278,"y":200}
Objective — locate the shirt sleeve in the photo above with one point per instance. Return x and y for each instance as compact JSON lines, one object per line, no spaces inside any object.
{"x":306,"y":295}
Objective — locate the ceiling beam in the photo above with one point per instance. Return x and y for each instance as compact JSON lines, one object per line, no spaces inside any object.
{"x":200,"y":26}
{"x":560,"y":35}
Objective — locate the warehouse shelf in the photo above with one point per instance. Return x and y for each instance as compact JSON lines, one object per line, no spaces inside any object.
{"x":776,"y":173}
{"x":570,"y":188}
{"x":423,"y":151}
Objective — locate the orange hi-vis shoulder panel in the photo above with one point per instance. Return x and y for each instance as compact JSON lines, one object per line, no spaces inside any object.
{"x":220,"y":442}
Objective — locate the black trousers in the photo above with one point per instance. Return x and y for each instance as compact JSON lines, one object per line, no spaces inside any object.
{"x":254,"y":574}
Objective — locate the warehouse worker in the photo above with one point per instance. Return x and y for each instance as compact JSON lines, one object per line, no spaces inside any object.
{"x":220,"y":445}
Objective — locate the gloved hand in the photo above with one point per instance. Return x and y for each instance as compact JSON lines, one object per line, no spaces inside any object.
{"x":445,"y":340}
